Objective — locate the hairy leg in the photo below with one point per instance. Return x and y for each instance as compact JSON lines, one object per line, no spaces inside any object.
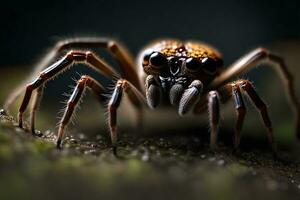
{"x":73,"y":56}
{"x":82,"y":83}
{"x":251,"y":60}
{"x":120,"y":53}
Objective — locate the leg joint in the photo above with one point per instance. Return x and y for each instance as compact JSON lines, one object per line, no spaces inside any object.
{"x":77,"y":56}
{"x":112,"y":46}
{"x":83,"y":79}
{"x":263,"y":51}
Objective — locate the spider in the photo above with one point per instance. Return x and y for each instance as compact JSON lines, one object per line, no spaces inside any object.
{"x":185,"y":75}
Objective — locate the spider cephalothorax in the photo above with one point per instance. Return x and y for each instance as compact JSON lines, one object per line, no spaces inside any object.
{"x":187,"y":75}
{"x":176,"y":66}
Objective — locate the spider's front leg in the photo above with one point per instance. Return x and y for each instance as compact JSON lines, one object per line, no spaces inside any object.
{"x":70,"y":58}
{"x":114,"y":47}
{"x":118,"y":51}
{"x":122,"y":85}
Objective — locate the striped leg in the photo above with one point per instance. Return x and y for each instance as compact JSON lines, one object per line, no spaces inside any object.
{"x":121,"y":86}
{"x":240,"y":112}
{"x":234,"y":89}
{"x":253,"y":59}
{"x":120,"y":53}
{"x":261,"y":106}
{"x":82,"y":83}
{"x":73,"y":56}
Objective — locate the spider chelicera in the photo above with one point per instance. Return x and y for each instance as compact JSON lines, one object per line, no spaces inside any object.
{"x":185,"y":75}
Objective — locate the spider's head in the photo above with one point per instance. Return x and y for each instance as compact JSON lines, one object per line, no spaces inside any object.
{"x":182,"y":63}
{"x":174,"y":67}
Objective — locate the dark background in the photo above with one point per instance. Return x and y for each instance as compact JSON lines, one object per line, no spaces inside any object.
{"x":30,"y":27}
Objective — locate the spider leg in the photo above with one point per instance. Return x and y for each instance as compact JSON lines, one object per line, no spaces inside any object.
{"x":261,"y":106}
{"x":82,"y":83}
{"x":122,"y":55}
{"x":73,"y":56}
{"x":114,"y":103}
{"x":251,"y":60}
{"x":240,"y":112}
{"x":214,"y":116}
{"x":34,"y":107}
{"x":232,"y":91}
{"x":115,"y":48}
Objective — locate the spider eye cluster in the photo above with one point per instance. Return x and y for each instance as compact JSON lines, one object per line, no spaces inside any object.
{"x":158,"y":60}
{"x":207,"y":64}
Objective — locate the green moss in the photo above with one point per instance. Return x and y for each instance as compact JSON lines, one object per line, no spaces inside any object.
{"x":160,"y":168}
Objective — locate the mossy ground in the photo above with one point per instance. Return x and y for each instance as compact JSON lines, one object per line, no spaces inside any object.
{"x":177,"y":167}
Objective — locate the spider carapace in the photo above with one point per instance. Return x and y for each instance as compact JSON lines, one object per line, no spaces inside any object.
{"x":188,"y":76}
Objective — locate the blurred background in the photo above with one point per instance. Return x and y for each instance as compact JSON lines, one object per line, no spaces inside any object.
{"x":30,"y":28}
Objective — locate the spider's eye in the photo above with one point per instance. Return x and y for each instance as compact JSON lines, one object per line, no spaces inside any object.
{"x":192,"y":64}
{"x":209,"y":65}
{"x":146,"y":59}
{"x":158,"y":60}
